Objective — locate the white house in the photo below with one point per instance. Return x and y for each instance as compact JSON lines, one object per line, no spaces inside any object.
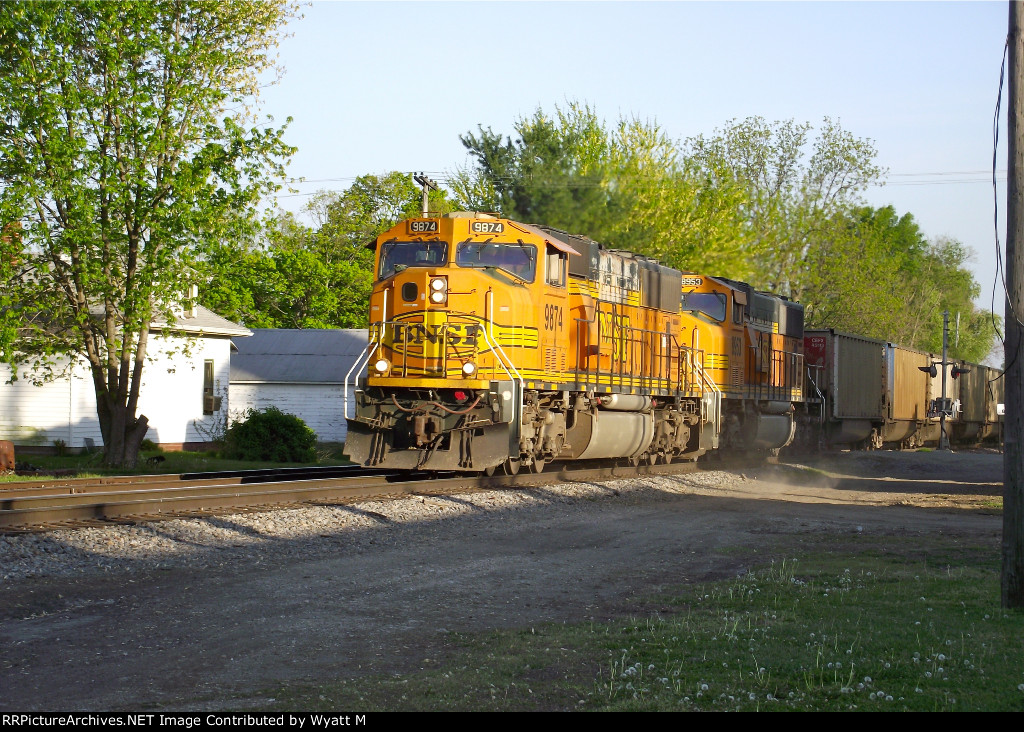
{"x":184,"y":393}
{"x":301,"y":372}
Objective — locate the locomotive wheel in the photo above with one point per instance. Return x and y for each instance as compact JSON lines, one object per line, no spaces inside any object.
{"x":490,"y":471}
{"x":511,"y":466}
{"x":634,"y":460}
{"x":667,"y":458}
{"x":651,"y":458}
{"x":537,"y":466}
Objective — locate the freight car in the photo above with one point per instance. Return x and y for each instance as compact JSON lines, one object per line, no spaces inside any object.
{"x":494,"y":343}
{"x":870,"y":393}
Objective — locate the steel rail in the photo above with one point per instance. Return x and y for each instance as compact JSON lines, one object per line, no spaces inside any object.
{"x":21,"y":513}
{"x":238,"y":476}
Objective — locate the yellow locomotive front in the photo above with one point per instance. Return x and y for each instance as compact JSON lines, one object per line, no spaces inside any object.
{"x":463,"y":309}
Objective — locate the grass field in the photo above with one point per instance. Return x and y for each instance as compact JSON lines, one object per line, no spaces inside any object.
{"x":866,"y":633}
{"x":86,"y":465}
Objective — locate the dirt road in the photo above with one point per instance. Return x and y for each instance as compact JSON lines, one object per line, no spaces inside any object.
{"x":380,"y":598}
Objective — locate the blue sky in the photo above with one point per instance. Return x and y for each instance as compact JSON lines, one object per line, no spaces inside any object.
{"x":380,"y":86}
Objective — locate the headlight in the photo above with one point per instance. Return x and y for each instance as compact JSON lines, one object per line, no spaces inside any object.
{"x":468,"y":368}
{"x":438,"y":290}
{"x":382,"y":366}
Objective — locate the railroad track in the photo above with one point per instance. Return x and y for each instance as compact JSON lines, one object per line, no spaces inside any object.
{"x":78,"y":502}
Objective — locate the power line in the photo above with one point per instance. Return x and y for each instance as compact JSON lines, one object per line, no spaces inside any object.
{"x":984,"y":176}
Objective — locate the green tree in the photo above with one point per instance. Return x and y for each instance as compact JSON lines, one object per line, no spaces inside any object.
{"x":316,"y":275}
{"x":876,"y":274}
{"x":791,"y":199}
{"x":126,"y":143}
{"x":627,"y":186}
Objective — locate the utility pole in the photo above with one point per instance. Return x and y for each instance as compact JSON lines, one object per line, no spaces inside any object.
{"x":1012,"y":581}
{"x":428,"y":185}
{"x":943,"y":437}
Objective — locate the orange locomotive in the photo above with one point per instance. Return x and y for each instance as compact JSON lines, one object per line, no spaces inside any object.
{"x":500,"y":344}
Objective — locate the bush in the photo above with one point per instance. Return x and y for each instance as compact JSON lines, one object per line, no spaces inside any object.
{"x":270,"y":435}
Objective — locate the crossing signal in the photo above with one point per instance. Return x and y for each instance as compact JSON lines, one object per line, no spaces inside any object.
{"x":957,"y":370}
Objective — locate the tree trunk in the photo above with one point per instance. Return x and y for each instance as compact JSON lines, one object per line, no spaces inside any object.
{"x":123,"y":433}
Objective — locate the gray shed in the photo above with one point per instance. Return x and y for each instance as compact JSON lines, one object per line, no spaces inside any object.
{"x":301,"y":372}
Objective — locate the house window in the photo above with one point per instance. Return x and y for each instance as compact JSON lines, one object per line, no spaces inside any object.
{"x":211,"y":403}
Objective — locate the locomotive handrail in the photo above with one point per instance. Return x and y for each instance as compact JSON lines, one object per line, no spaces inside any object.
{"x":643,"y":360}
{"x":361,"y":360}
{"x":506,"y":363}
{"x":710,"y":383}
{"x":781,"y":365}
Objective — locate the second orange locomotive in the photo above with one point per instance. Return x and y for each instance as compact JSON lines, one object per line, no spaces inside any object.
{"x":495,"y":343}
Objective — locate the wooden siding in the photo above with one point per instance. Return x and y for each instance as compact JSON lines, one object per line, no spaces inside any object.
{"x":171,"y":397}
{"x":321,"y":406}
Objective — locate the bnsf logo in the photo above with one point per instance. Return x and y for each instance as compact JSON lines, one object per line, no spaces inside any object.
{"x":615,"y":332}
{"x":418,"y":334}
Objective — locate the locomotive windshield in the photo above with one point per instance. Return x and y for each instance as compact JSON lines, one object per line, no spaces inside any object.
{"x":398,"y":255}
{"x":519,"y":260}
{"x":711,"y":304}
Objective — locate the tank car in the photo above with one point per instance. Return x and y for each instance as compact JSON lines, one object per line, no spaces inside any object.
{"x":497,"y":344}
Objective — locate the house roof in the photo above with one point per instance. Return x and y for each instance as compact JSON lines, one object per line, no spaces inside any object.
{"x":286,"y":356}
{"x":206,"y":322}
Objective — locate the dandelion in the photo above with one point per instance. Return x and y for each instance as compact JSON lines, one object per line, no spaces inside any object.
{"x":888,"y":697}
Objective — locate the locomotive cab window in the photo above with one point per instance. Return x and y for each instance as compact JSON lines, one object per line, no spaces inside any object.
{"x":737,"y":312}
{"x":398,"y":255}
{"x":519,"y":260}
{"x":556,"y":265}
{"x":712,"y":304}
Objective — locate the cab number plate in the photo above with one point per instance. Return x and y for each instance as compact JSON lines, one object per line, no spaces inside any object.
{"x":423,"y":227}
